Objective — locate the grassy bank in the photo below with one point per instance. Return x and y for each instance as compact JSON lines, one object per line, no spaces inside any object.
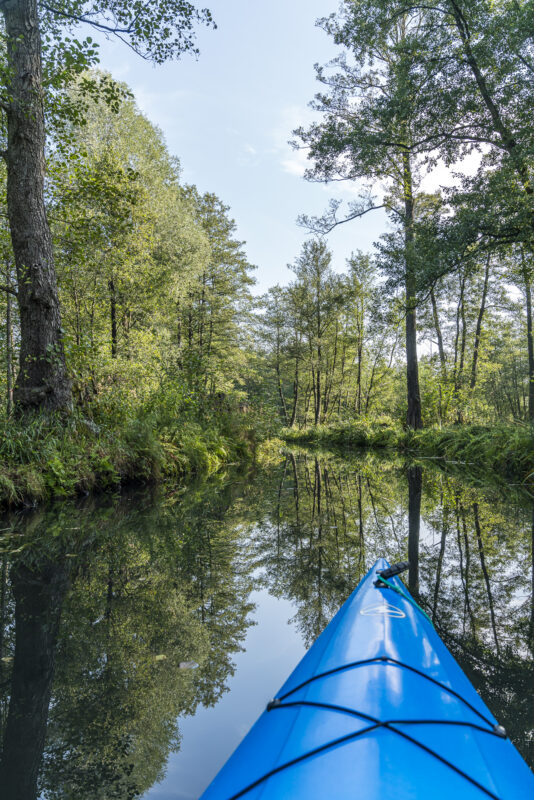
{"x":505,"y":449}
{"x":43,"y":458}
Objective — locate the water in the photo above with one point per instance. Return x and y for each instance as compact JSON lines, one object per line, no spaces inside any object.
{"x":141,"y":635}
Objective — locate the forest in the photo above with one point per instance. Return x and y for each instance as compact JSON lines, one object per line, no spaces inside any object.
{"x":133,"y":342}
{"x":198,"y":465}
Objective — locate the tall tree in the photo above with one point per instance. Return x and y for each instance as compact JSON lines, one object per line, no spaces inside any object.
{"x":369,"y":130}
{"x":159,"y":32}
{"x":320,"y":301}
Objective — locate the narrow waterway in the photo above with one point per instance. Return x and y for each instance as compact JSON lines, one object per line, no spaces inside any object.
{"x":142,"y":634}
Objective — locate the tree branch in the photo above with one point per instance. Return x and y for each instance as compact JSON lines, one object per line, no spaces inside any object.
{"x":86,"y":18}
{"x":326,"y":224}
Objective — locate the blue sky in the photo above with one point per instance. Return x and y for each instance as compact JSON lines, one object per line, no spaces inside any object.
{"x":229,"y":114}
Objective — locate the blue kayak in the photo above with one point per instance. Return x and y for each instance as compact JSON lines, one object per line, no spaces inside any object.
{"x":378,"y":709}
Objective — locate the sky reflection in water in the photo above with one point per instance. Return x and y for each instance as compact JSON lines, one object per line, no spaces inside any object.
{"x":102,"y":601}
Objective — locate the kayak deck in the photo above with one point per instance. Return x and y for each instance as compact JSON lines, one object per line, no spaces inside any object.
{"x":377,"y":708}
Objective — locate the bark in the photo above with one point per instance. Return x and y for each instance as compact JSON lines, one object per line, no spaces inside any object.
{"x":331,"y":371}
{"x":279,"y":383}
{"x":359,"y":381}
{"x":295,"y":394}
{"x":371,"y":385}
{"x":530,"y":342}
{"x":9,"y":355}
{"x":478,"y":329}
{"x":459,"y":339}
{"x":437,"y":326}
{"x":42,"y":381}
{"x":319,"y":353}
{"x":307,"y":401}
{"x":413,"y":415}
{"x":201,"y":323}
{"x":317,"y":414}
{"x":281,"y":395}
{"x":113,"y":317}
{"x":463,"y":336}
{"x":359,"y":326}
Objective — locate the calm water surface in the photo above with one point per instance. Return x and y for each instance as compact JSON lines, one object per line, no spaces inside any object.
{"x":141,"y":635}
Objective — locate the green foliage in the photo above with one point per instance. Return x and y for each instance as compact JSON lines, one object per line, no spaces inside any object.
{"x":42,"y":458}
{"x":152,"y":587}
{"x":504,"y":450}
{"x":361,"y":433}
{"x":154,"y":292}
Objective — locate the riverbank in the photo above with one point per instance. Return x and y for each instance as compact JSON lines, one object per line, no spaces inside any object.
{"x":507,"y":450}
{"x":43,"y":458}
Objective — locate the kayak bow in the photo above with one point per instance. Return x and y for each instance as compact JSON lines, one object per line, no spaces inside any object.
{"x":377,"y":708}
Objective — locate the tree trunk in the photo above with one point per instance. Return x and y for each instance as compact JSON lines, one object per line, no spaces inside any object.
{"x":460,"y":374}
{"x":359,"y":380}
{"x":113,"y":317}
{"x":281,"y":395}
{"x":530,"y":342}
{"x":317,"y":415}
{"x":295,"y":394}
{"x":478,"y":330}
{"x":437,"y":326}
{"x":307,"y":400}
{"x":413,"y":415}
{"x":42,"y":381}
{"x":9,"y":355}
{"x":279,"y":383}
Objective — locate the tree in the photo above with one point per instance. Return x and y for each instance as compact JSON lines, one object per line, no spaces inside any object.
{"x":208,"y":329}
{"x":157,"y":33}
{"x":319,"y":302}
{"x":370,"y":130}
{"x":128,"y":239}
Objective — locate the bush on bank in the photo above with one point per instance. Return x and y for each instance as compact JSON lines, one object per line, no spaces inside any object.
{"x":46,"y":457}
{"x":504,"y":449}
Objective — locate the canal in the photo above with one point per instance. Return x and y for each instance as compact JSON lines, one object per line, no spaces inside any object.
{"x":141,"y":634}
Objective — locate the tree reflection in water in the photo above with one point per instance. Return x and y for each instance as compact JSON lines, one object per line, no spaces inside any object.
{"x":470,"y":552}
{"x":102,"y":604}
{"x":156,"y":587}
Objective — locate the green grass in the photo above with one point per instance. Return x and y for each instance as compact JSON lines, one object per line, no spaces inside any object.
{"x":45,"y":457}
{"x":507,"y":450}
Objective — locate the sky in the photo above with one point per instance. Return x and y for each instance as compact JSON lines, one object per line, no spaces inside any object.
{"x":229,"y":114}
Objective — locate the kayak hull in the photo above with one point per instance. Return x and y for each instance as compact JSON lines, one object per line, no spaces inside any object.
{"x":378,"y":707}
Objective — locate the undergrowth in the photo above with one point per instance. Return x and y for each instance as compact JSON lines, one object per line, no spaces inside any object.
{"x":46,"y":457}
{"x":505,"y":449}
